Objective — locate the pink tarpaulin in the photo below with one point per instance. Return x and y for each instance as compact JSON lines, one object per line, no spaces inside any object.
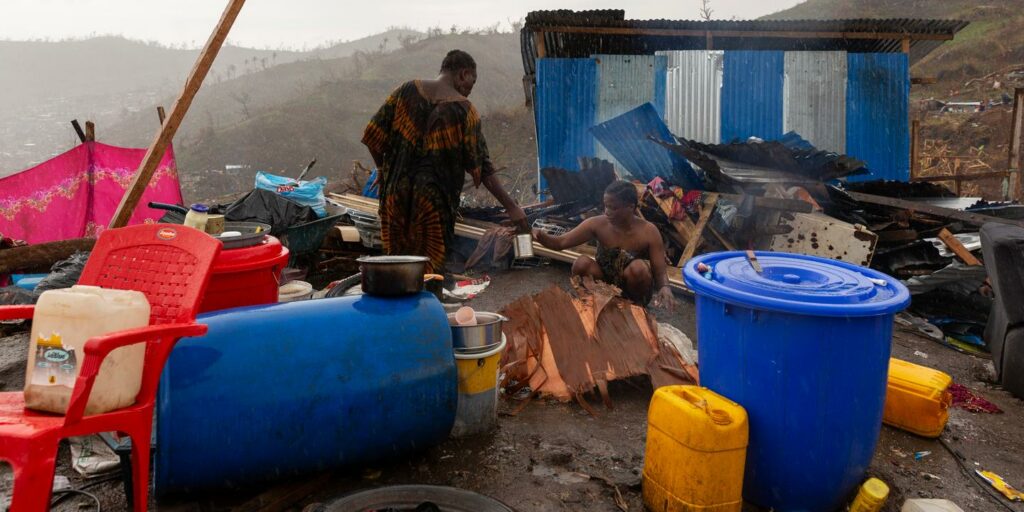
{"x":75,"y":194}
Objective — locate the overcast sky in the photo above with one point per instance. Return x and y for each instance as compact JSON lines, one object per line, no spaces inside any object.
{"x":299,"y":23}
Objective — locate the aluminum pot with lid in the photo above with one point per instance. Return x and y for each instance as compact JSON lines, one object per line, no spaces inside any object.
{"x":486,"y":334}
{"x":392,"y":276}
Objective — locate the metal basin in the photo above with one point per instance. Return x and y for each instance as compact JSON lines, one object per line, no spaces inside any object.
{"x":486,"y":334}
{"x":408,"y":497}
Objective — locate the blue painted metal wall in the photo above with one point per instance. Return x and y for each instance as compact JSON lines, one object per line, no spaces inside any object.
{"x":624,"y":82}
{"x":626,"y":137}
{"x":565,"y":109}
{"x":877,"y":120}
{"x":752,"y":95}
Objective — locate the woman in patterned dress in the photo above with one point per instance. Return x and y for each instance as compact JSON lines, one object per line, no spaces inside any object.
{"x":425,"y":139}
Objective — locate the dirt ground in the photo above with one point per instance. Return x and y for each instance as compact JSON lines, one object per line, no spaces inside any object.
{"x":555,"y":457}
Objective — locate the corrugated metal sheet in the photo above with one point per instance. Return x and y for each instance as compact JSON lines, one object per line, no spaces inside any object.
{"x":693,"y":94}
{"x":877,"y":118}
{"x":565,"y":110}
{"x":626,"y":137}
{"x":752,"y":95}
{"x":815,"y":98}
{"x":568,"y":45}
{"x":625,"y":82}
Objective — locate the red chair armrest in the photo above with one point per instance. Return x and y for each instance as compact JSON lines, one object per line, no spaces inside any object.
{"x":98,"y":347}
{"x":17,"y":312}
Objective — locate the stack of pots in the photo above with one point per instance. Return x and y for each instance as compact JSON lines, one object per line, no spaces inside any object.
{"x":478,"y":343}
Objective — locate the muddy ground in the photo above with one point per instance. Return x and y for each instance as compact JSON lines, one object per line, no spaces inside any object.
{"x":555,"y":457}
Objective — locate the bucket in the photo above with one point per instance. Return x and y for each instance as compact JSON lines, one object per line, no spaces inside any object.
{"x":294,"y":290}
{"x":803,"y":344}
{"x":477,"y":409}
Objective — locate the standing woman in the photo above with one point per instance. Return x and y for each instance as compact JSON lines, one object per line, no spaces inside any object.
{"x":425,"y":139}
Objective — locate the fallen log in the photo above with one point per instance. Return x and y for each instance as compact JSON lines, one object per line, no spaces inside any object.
{"x":41,"y":256}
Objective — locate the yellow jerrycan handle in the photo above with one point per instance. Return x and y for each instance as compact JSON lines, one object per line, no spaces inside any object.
{"x":718,"y":416}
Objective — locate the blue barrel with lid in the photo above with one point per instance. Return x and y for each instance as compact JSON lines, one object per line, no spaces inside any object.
{"x":804,"y":346}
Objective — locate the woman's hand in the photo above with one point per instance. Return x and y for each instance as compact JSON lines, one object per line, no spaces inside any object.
{"x":517,"y":217}
{"x":665,"y":299}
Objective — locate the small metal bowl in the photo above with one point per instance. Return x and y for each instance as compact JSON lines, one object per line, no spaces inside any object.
{"x":484,"y":335}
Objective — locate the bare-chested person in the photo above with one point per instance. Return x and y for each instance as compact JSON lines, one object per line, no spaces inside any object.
{"x":630,"y":251}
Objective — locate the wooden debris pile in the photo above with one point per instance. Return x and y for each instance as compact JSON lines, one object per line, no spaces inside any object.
{"x":565,"y":346}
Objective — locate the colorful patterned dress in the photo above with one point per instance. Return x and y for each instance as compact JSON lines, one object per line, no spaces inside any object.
{"x":428,"y":146}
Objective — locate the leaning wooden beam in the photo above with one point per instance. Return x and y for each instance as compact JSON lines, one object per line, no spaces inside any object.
{"x":156,"y":150}
{"x":958,"y":248}
{"x":367,"y":205}
{"x":78,"y":130}
{"x":698,"y":232}
{"x":973,"y":219}
{"x":41,"y":256}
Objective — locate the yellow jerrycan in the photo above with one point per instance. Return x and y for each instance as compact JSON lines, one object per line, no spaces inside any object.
{"x":696,"y":449}
{"x":917,"y":398}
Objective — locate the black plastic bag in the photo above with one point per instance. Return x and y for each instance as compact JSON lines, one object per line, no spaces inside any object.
{"x":64,"y":273}
{"x":269,"y":208}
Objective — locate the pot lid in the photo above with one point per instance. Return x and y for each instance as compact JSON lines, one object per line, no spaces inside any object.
{"x":796,"y":283}
{"x":392,"y":259}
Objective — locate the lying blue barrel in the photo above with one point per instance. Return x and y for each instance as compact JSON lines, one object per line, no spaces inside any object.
{"x":284,"y":389}
{"x":803,"y":345}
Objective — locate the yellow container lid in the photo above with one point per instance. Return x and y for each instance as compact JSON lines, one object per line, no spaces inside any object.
{"x":875,"y":489}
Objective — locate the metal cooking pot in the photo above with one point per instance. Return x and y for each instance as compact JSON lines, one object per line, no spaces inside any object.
{"x":391,"y":276}
{"x":486,"y":334}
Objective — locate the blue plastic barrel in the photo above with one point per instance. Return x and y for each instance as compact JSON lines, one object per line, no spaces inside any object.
{"x":804,"y":347}
{"x":284,"y":389}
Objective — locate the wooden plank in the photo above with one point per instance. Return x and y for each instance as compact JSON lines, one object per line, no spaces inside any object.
{"x":973,"y":219}
{"x":156,"y":150}
{"x":915,"y":148}
{"x":1016,"y":151}
{"x":968,"y":176}
{"x":161,"y":114}
{"x":958,"y":248}
{"x":685,"y":227}
{"x":785,"y":34}
{"x":90,"y":131}
{"x":538,"y":41}
{"x":721,"y":239}
{"x":905,"y":46}
{"x":698,"y":232}
{"x":78,"y":129}
{"x":41,"y":256}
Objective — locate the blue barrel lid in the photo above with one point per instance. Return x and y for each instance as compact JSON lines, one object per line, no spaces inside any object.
{"x":796,"y":283}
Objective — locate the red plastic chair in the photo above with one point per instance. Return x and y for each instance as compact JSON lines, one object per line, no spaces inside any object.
{"x":170,"y":264}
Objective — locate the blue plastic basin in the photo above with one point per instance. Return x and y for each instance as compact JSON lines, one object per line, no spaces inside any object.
{"x":284,"y":389}
{"x":804,"y":347}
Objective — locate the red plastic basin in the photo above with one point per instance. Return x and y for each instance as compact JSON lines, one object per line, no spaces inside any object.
{"x":246,"y":277}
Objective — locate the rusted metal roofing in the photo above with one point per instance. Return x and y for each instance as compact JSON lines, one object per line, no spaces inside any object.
{"x":566,"y":33}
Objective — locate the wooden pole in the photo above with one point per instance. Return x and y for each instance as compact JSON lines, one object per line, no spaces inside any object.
{"x":906,"y":45}
{"x":915,"y":148}
{"x":90,"y":131}
{"x":1016,"y":163}
{"x":538,"y":40}
{"x":957,"y":248}
{"x":161,"y":114}
{"x":41,"y":256}
{"x":178,"y":110}
{"x":78,"y":129}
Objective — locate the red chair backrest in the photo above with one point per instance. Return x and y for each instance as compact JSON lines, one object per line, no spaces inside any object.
{"x":168,"y":263}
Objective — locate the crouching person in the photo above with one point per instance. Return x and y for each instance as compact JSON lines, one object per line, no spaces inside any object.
{"x":630,"y":251}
